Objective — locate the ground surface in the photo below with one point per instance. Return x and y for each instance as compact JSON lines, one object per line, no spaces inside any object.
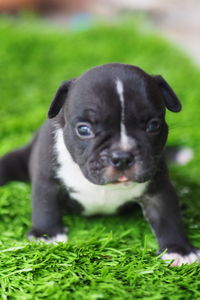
{"x":106,"y":257}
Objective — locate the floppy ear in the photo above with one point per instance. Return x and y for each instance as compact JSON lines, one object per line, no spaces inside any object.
{"x":171,"y":100}
{"x":59,"y":98}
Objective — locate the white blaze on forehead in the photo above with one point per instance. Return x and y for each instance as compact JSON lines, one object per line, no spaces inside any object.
{"x":124,"y":140}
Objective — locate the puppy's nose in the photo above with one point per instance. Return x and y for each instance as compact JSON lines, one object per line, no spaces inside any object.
{"x":121,"y":160}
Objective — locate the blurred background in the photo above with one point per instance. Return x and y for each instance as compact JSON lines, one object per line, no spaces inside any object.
{"x":176,"y":19}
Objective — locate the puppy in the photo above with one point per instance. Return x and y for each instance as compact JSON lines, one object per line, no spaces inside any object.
{"x":101,"y":148}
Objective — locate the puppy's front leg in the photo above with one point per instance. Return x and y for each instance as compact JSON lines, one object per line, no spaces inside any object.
{"x":161,"y":209}
{"x":47,"y":212}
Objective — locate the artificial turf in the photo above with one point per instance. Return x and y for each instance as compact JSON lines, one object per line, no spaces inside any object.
{"x":106,"y":257}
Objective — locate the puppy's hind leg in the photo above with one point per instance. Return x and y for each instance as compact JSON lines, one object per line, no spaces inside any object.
{"x":14,"y":165}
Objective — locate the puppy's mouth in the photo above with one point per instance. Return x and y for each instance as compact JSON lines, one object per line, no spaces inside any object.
{"x":118,"y":179}
{"x":121,"y":179}
{"x":138,"y":173}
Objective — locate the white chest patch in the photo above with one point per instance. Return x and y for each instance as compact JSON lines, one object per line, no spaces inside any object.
{"x":95,"y":199}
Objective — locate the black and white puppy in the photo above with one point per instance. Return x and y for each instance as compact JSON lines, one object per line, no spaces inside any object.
{"x":101,"y":148}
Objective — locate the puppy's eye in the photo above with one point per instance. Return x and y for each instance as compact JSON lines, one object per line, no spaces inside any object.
{"x":84,"y":131}
{"x":153,"y":126}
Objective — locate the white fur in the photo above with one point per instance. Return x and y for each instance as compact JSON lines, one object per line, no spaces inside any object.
{"x":59,"y":238}
{"x":176,"y":259}
{"x":124,"y":139}
{"x":96,"y":199}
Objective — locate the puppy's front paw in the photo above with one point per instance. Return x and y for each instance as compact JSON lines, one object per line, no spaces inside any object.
{"x":176,"y":259}
{"x":36,"y":236}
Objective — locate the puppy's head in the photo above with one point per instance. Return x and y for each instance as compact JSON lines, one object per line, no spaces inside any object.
{"x":113,"y":120}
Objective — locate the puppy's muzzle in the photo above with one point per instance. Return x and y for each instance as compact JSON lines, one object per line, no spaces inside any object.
{"x":121,"y":160}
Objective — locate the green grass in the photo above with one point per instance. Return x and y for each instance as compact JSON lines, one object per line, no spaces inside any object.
{"x":106,"y":257}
